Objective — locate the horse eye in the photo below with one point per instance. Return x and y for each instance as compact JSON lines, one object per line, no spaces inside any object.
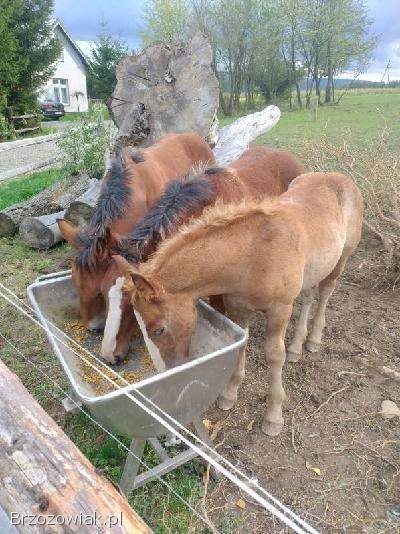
{"x":159,"y":331}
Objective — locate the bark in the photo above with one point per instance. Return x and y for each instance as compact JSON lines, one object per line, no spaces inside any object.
{"x":55,"y":198}
{"x":166,"y":88}
{"x":80,"y":211}
{"x":41,"y":232}
{"x":43,"y":473}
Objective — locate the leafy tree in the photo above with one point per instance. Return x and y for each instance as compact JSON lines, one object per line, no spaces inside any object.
{"x":165,"y":20}
{"x":8,"y":55}
{"x":101,"y":73}
{"x":34,"y":52}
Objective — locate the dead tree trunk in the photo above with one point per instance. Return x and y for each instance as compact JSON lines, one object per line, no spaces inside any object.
{"x":55,"y":198}
{"x":234,"y":139}
{"x":166,"y":88}
{"x":43,"y":474}
{"x":80,"y":211}
{"x":41,"y":232}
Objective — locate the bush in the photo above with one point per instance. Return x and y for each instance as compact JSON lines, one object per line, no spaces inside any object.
{"x":6,"y":131}
{"x":376,"y":170}
{"x":86,"y":143}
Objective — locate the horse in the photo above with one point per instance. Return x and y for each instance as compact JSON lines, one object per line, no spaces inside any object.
{"x":258,"y":172}
{"x":132,"y":184}
{"x":260,"y":256}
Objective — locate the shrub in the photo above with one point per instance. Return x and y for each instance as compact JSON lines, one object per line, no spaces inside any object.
{"x":84,"y":145}
{"x":6,"y":131}
{"x":376,"y":170}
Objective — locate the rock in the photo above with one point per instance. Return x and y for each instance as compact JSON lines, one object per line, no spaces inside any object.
{"x":389,"y":409}
{"x":166,"y":88}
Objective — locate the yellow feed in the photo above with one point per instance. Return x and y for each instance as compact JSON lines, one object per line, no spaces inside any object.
{"x":92,"y":375}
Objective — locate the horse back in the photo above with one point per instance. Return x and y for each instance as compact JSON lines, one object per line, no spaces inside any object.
{"x":266,"y":171}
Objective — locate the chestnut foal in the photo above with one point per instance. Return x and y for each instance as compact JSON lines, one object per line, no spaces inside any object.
{"x":257,"y":173}
{"x":260,"y":256}
{"x":130,"y":188}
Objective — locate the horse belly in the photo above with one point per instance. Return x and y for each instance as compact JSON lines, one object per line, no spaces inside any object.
{"x":321,"y":265}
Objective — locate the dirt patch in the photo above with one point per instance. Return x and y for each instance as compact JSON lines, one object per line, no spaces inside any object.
{"x":338,"y":467}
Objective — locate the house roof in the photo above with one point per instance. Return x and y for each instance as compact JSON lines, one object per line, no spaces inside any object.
{"x":58,"y":24}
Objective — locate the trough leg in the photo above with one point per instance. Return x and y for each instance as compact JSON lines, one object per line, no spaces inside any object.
{"x":132,"y":465}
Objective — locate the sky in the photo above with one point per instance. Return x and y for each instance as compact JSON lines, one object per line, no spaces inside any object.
{"x":123,"y":18}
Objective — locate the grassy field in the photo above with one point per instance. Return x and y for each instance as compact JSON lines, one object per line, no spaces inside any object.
{"x":362,"y":113}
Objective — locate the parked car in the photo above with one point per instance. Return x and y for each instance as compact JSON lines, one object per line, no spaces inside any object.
{"x":52,"y":109}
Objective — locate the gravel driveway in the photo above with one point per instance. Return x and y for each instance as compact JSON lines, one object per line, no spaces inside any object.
{"x":20,"y":157}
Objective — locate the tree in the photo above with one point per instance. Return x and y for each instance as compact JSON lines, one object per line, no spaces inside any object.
{"x":35,"y":53}
{"x":101,"y":73}
{"x":8,"y":55}
{"x":165,"y":20}
{"x":348,"y":43}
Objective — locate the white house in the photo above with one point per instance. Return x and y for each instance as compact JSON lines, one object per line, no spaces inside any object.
{"x":68,"y":83}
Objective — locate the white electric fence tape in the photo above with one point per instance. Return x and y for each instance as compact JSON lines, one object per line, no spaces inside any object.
{"x":293,"y":521}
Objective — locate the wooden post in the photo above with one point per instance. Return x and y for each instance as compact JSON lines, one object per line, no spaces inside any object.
{"x":44,"y":475}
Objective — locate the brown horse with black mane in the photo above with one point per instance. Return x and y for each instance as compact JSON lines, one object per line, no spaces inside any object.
{"x":259,"y":172}
{"x":130,"y":188}
{"x":260,"y":256}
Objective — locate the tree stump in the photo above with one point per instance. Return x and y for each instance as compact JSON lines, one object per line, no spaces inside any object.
{"x":43,"y":474}
{"x":55,"y":198}
{"x":166,"y":88}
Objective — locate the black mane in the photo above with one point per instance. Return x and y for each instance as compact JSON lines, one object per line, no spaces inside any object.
{"x":180,"y":200}
{"x":110,"y":206}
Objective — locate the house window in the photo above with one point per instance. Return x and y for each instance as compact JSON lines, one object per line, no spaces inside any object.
{"x":61,"y":93}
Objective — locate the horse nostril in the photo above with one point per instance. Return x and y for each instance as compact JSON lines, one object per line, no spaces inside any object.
{"x":98,"y":329}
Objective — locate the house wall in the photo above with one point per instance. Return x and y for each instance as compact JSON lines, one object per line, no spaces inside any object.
{"x":71,"y":68}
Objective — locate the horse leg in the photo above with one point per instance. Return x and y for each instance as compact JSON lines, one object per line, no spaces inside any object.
{"x":295,"y":349}
{"x":228,"y":397}
{"x":277,"y":316}
{"x":325,"y":288}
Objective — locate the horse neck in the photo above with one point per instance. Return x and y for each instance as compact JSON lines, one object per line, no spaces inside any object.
{"x":208,"y":263}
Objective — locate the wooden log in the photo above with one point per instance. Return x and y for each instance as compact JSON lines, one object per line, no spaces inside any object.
{"x":80,"y":211}
{"x":43,"y":474}
{"x":234,"y":139}
{"x":55,"y":198}
{"x":41,"y":232}
{"x":165,"y":88}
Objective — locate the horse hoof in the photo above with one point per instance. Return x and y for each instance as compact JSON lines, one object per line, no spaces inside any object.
{"x":118,"y":359}
{"x":271,"y":429}
{"x":312,"y":346}
{"x":293,"y":356}
{"x":224,"y":403}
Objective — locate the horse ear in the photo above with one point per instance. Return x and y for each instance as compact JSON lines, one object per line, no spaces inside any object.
{"x":69,"y":232}
{"x":144,"y":287}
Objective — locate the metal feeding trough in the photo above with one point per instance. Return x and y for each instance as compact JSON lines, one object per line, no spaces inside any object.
{"x":184,"y":392}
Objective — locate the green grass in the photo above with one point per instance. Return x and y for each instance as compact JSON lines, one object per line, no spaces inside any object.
{"x":72,"y":116}
{"x":159,"y":507}
{"x":20,"y":189}
{"x":360,"y":115}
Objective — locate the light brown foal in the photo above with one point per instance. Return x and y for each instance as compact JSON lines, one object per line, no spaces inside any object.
{"x":260,"y":256}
